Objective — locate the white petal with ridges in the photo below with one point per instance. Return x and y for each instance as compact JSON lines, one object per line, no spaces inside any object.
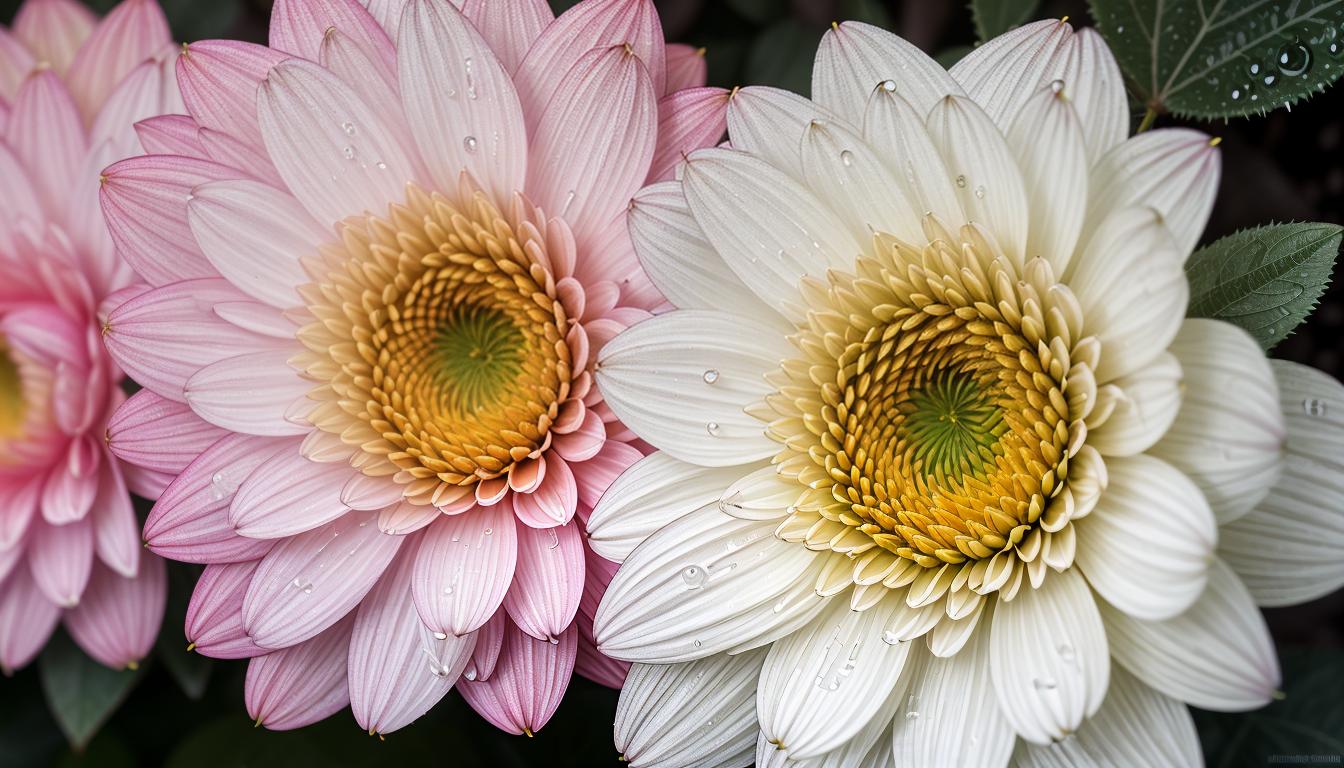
{"x":1047,"y":139}
{"x":1150,"y":399}
{"x":769,"y":123}
{"x":855,"y":57}
{"x":1002,"y":74}
{"x":847,"y":173}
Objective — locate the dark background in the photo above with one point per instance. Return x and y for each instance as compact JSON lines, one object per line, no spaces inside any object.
{"x":1283,"y":167}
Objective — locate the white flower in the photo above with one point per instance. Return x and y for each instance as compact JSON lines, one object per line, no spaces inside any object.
{"x":938,"y":444}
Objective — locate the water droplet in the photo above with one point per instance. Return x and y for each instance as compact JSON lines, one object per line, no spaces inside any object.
{"x":847,"y":158}
{"x":1236,"y":94}
{"x":698,"y":643}
{"x":1120,"y":30}
{"x":961,"y":182}
{"x":888,"y":85}
{"x":440,"y":636}
{"x":980,"y":192}
{"x":469,"y":143}
{"x":303,"y":584}
{"x":1043,"y":684}
{"x":488,"y":531}
{"x":694,"y":576}
{"x":711,"y":376}
{"x":1056,"y":86}
{"x":448,"y":590}
{"x":1294,"y":59}
{"x":1313,"y":406}
{"x":555,"y":641}
{"x":712,"y":428}
{"x":1067,"y":653}
{"x":470,"y":674}
{"x":912,"y":707}
{"x":220,"y":487}
{"x":890,"y":638}
{"x":348,"y":127}
{"x":1255,"y":69}
{"x":1270,"y":81}
{"x":552,"y":541}
{"x":349,"y":152}
{"x":569,"y":200}
{"x":1334,"y":49}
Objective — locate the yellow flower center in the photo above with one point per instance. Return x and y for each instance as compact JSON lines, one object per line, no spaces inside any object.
{"x":11,"y":394}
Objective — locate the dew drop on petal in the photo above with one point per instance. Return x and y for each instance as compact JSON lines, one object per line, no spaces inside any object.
{"x":1043,"y":684}
{"x":694,"y":576}
{"x":1314,"y":407}
{"x":711,"y":376}
{"x":888,"y":85}
{"x":349,"y":152}
{"x":440,"y":636}
{"x":469,"y":143}
{"x":1294,"y":59}
{"x":712,"y":428}
{"x":847,"y":158}
{"x":961,"y":182}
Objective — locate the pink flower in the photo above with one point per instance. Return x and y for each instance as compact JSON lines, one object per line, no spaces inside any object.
{"x":71,"y":90}
{"x":383,"y":253}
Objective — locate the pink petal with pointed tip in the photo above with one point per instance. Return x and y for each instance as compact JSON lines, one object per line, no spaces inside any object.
{"x":19,"y":498}
{"x":404,"y":517}
{"x":298,"y":26}
{"x":156,"y":433}
{"x":530,"y":679}
{"x":585,"y":442}
{"x":362,"y":491}
{"x":116,"y":530}
{"x":54,"y":30}
{"x":302,"y":684}
{"x":250,"y":393}
{"x":554,"y":501}
{"x":214,"y":622}
{"x":15,"y":64}
{"x":511,"y":28}
{"x":118,"y":618}
{"x":170,"y":135}
{"x":135,"y":30}
{"x":685,"y":67}
{"x":687,"y":120}
{"x":47,"y":133}
{"x":288,"y":494}
{"x":464,"y":567}
{"x":592,"y":663}
{"x":27,"y":619}
{"x":60,"y":558}
{"x":489,"y":642}
{"x":219,"y":80}
{"x":548,"y":580}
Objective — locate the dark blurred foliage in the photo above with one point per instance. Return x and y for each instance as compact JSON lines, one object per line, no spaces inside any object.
{"x":1287,"y":166}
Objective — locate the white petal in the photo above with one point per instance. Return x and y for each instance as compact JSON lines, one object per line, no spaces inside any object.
{"x":951,"y":712}
{"x":1147,"y":545}
{"x":1228,"y":436}
{"x":769,"y":122}
{"x":1287,"y":550}
{"x":1047,"y":139}
{"x":988,"y":182}
{"x":769,"y":229}
{"x":682,"y":380}
{"x":1048,"y":657}
{"x":464,"y":566}
{"x":1002,"y":74}
{"x":1094,"y":83}
{"x":1218,"y":655}
{"x":1151,"y":398}
{"x":650,"y":494}
{"x":845,"y":172}
{"x":1132,"y":289}
{"x":704,"y":583}
{"x":854,"y":58}
{"x":899,"y":134}
{"x":1136,"y":726}
{"x":869,"y":748}
{"x":688,"y":714}
{"x":825,"y":682}
{"x":249,"y":393}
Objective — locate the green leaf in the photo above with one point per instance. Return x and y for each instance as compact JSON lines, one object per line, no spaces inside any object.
{"x":1266,"y":280}
{"x":994,"y":17}
{"x":80,"y":692}
{"x":870,"y":11}
{"x":1224,"y":58}
{"x":782,"y":56}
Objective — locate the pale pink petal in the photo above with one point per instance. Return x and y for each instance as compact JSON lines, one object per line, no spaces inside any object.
{"x":118,"y":618}
{"x":404,"y":517}
{"x":461,"y":104}
{"x":308,"y":582}
{"x":387,"y":13}
{"x":249,"y":393}
{"x":371,"y":73}
{"x":214,"y":623}
{"x":15,"y":64}
{"x":71,"y":487}
{"x":337,"y":155}
{"x":685,"y":67}
{"x":371,"y":493}
{"x":302,"y":684}
{"x":595,"y":475}
{"x":687,"y":120}
{"x":398,"y":668}
{"x":146,"y":483}
{"x":170,"y":135}
{"x":190,"y":522}
{"x":554,"y":501}
{"x":599,"y":24}
{"x":9,"y":559}
{"x":298,"y":26}
{"x":18,"y":197}
{"x":159,"y":434}
{"x":288,"y":494}
{"x":583,"y":443}
{"x":529,"y":681}
{"x":464,"y":567}
{"x":47,"y":133}
{"x":219,"y":80}
{"x":510,"y":27}
{"x":133,"y":31}
{"x":54,"y":29}
{"x":144,"y":200}
{"x":60,"y":558}
{"x":592,"y":663}
{"x":250,"y":158}
{"x":489,"y":642}
{"x":165,"y":336}
{"x":255,"y":235}
{"x":592,"y":147}
{"x":116,"y":531}
{"x":19,"y":498}
{"x":548,"y":580}
{"x":27,"y":618}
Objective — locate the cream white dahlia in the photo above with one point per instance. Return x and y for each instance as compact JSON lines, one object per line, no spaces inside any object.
{"x":946,"y":475}
{"x":72,"y":87}
{"x":381,"y":254}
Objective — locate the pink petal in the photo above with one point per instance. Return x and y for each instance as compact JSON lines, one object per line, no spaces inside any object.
{"x":685,"y":67}
{"x":15,"y":64}
{"x":600,"y":24}
{"x":250,"y":158}
{"x":287,"y":494}
{"x":548,"y":581}
{"x":404,"y":517}
{"x":464,"y":567}
{"x":687,"y":120}
{"x":255,"y":235}
{"x":301,"y":684}
{"x":371,"y":73}
{"x":592,"y":146}
{"x":27,"y":618}
{"x":54,"y":29}
{"x":118,"y":618}
{"x":387,"y":13}
{"x":46,"y":131}
{"x":308,"y":582}
{"x":144,"y":201}
{"x":585,"y":442}
{"x":462,"y":108}
{"x":489,"y":642}
{"x":170,"y":135}
{"x":214,"y":624}
{"x":60,"y":558}
{"x":398,"y":668}
{"x":363,"y":491}
{"x":249,"y":393}
{"x":19,"y":498}
{"x":554,"y":501}
{"x":529,"y":681}
{"x":298,"y":26}
{"x":152,"y":432}
{"x":133,"y":31}
{"x":146,"y":483}
{"x":190,"y":522}
{"x":71,"y":487}
{"x":592,"y":663}
{"x":116,"y":531}
{"x":510,"y":27}
{"x":18,"y":196}
{"x":316,"y":128}
{"x":219,"y":80}
{"x":164,"y":336}
{"x":595,"y":475}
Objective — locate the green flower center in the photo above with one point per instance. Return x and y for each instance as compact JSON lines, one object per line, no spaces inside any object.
{"x":479,"y":353}
{"x":952,"y":425}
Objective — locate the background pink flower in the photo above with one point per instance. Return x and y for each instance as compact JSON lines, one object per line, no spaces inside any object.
{"x":71,"y":89}
{"x":382,"y":254}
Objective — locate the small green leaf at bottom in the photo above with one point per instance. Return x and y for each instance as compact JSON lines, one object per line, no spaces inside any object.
{"x":1266,"y":280}
{"x":994,"y":17}
{"x":80,"y":692}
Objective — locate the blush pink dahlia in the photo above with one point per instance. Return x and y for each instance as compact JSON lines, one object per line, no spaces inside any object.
{"x":71,"y":89}
{"x":383,"y":252}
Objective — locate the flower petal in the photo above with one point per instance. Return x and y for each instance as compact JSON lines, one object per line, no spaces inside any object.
{"x":464,"y":567}
{"x":687,"y":120}
{"x":529,"y":680}
{"x":116,"y":529}
{"x":128,"y":35}
{"x":854,"y":58}
{"x":686,"y":67}
{"x":299,"y":26}
{"x":769,"y":123}
{"x":117,"y":619}
{"x":1097,"y":90}
{"x":214,"y":623}
{"x":288,"y":494}
{"x":846,"y":172}
{"x":219,"y":80}
{"x":1002,"y":73}
{"x":1047,"y":139}
{"x":27,"y":619}
{"x":159,"y":434}
{"x":45,"y":128}
{"x":54,"y":30}
{"x":548,"y":580}
{"x":302,"y":684}
{"x":1150,"y":399}
{"x":61,"y":558}
{"x":511,"y":28}
{"x":898,"y":133}
{"x":249,"y":393}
